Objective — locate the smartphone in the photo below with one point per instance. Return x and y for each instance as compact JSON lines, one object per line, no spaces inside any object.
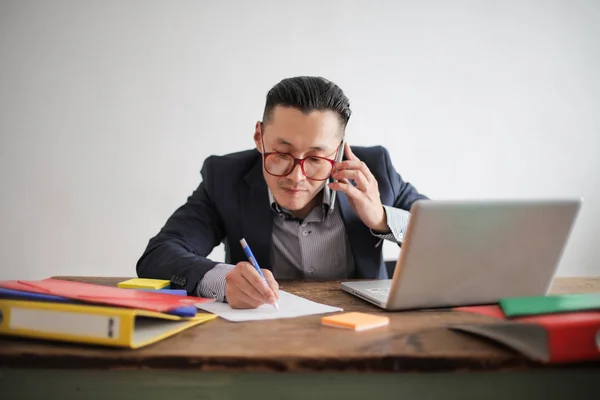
{"x":338,"y":158}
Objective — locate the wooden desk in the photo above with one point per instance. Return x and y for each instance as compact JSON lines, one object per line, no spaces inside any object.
{"x":303,"y":354}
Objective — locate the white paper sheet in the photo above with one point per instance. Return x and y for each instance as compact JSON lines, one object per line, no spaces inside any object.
{"x":290,"y":306}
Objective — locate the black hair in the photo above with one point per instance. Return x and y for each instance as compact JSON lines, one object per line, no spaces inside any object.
{"x":307,"y":94}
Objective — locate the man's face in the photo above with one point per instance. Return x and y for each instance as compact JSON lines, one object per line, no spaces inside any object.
{"x":288,"y":130}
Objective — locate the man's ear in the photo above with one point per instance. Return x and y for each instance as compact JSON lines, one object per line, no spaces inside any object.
{"x":257,"y":136}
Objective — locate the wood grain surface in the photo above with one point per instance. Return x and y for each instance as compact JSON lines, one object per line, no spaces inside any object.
{"x":414,"y":341}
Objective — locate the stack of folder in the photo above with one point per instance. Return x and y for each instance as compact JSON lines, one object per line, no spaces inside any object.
{"x":552,"y":329}
{"x":68,"y":311}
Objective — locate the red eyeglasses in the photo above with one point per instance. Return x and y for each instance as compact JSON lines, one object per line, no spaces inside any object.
{"x":282,"y":164}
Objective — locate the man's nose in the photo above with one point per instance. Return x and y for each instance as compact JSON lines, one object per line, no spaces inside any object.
{"x":296,"y":175}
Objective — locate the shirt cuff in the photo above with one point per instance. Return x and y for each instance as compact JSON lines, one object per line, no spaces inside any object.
{"x":212,"y":285}
{"x":397,"y":222}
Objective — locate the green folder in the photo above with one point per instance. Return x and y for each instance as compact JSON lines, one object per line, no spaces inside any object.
{"x":552,"y":304}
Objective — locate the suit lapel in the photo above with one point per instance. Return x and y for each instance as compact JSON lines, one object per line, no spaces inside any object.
{"x":257,"y":216}
{"x":367,"y":258}
{"x":364,"y":245}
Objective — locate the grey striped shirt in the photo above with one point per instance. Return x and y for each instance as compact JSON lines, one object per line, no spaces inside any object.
{"x":314,"y":248}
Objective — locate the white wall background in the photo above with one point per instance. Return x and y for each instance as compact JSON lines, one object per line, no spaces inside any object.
{"x":108,"y":108}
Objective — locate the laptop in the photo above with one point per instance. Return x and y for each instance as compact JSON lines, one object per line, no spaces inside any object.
{"x":459,"y":253}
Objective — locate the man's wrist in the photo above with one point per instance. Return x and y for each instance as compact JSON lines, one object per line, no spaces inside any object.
{"x":382,"y":227}
{"x":213,"y":284}
{"x":397,"y":223}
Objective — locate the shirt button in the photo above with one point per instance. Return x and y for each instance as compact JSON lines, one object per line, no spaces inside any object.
{"x":311,"y":271}
{"x":305,"y":233}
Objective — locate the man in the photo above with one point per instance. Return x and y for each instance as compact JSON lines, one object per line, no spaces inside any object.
{"x":278,"y":197}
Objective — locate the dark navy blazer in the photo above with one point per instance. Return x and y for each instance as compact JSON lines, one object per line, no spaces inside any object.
{"x":232,"y":202}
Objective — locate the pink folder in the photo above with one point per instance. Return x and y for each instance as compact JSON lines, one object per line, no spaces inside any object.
{"x":100,"y":294}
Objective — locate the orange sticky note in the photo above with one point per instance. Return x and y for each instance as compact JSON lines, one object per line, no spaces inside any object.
{"x":355,"y":320}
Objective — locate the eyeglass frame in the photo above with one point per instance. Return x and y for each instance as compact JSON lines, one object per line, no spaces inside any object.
{"x":296,"y":160}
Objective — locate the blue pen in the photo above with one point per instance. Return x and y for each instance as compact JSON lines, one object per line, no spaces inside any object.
{"x":254,"y":263}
